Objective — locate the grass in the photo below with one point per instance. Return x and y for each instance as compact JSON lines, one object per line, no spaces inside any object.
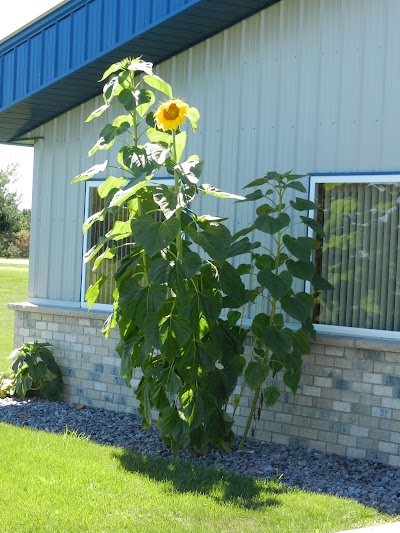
{"x":63,"y":483}
{"x":13,"y":288}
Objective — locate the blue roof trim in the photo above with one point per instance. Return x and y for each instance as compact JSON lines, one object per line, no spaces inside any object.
{"x":53,"y":65}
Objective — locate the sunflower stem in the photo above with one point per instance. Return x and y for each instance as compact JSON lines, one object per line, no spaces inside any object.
{"x":179,"y":248}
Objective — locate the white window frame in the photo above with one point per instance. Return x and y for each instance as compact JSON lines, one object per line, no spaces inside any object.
{"x":316,"y":179}
{"x":91,"y":185}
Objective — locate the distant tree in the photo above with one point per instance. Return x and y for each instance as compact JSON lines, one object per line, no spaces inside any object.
{"x":14,"y":224}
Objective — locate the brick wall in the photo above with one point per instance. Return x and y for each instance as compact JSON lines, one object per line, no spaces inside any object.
{"x":348,"y":401}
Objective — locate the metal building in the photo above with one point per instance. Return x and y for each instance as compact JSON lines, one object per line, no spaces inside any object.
{"x":308,"y":85}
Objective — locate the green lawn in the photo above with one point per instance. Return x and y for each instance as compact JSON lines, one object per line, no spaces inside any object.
{"x":62,"y":483}
{"x":13,"y":288}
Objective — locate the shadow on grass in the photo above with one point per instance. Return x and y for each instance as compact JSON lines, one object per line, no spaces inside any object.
{"x":186,"y":477}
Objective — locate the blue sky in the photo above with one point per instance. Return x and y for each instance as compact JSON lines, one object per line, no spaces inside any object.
{"x":18,"y":14}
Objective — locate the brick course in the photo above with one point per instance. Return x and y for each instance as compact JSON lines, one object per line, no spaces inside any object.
{"x":348,"y":400}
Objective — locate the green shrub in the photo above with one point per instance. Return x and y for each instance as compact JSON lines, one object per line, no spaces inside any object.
{"x":33,"y":371}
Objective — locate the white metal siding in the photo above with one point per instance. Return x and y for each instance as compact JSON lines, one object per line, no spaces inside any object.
{"x":308,"y":85}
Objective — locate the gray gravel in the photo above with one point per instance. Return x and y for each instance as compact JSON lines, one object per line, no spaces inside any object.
{"x":369,"y":483}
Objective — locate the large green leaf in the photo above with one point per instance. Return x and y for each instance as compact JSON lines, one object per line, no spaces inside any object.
{"x":180,"y":143}
{"x":279,"y":341}
{"x":231,"y":283}
{"x":190,"y":170}
{"x":94,"y":290}
{"x":159,"y":269}
{"x":110,"y":184}
{"x":301,"y":269}
{"x":213,"y":191}
{"x":154,"y":236}
{"x":256,"y":373}
{"x":272,"y":225}
{"x":157,"y":83}
{"x":194,"y":116}
{"x":143,"y":394}
{"x":99,"y":111}
{"x":92,"y":171}
{"x":132,"y":187}
{"x":301,"y":204}
{"x":278,"y":285}
{"x":215,"y":241}
{"x":190,"y":264}
{"x":157,"y":136}
{"x":256,"y":182}
{"x":313,"y":224}
{"x":298,"y":306}
{"x":300,"y":247}
{"x":321,"y":283}
{"x":142,"y":160}
{"x":291,"y":379}
{"x":258,"y":324}
{"x":271,"y":396}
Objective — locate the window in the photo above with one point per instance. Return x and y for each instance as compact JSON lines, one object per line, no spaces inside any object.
{"x":94,"y":204}
{"x":360,"y":253}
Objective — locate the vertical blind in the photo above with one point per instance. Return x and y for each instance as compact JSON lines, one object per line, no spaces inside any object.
{"x":107,"y":267}
{"x":359,"y":255}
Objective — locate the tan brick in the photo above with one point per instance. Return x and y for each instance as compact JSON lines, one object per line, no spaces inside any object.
{"x":341,"y":406}
{"x":327,"y":436}
{"x":393,"y":403}
{"x":339,"y":449}
{"x":347,"y":440}
{"x":388,"y":447}
{"x":322,"y":382}
{"x":356,"y":453}
{"x":394,"y":460}
{"x":382,"y":390}
{"x":334,"y":350}
{"x":309,"y":390}
{"x":372,"y":378}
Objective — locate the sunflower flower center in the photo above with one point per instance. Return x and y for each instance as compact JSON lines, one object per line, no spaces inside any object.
{"x":171,"y":112}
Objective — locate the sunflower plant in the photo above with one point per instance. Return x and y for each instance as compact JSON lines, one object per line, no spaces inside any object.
{"x":178,"y":300}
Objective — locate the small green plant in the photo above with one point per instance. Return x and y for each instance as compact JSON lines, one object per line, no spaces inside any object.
{"x":33,"y":370}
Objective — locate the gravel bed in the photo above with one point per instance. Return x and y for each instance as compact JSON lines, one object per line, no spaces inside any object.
{"x":369,"y":483}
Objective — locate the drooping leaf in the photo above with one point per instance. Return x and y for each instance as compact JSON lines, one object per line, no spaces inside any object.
{"x":256,"y":182}
{"x":279,"y":341}
{"x":215,"y":241}
{"x":291,"y":379}
{"x":194,"y":116}
{"x":297,"y":186}
{"x":131,"y":188}
{"x":157,"y":136}
{"x":256,"y":373}
{"x":98,"y":112}
{"x":314,"y":225}
{"x":213,"y":191}
{"x":94,"y":290}
{"x":301,"y":269}
{"x":190,"y":170}
{"x":180,"y":143}
{"x":231,"y":283}
{"x":278,"y":285}
{"x":254,"y":196}
{"x":157,"y":83}
{"x":301,"y":204}
{"x":272,"y":225}
{"x":109,"y":253}
{"x":271,"y":396}
{"x":298,"y":306}
{"x":321,"y":283}
{"x":92,"y":171}
{"x":300,"y":247}
{"x":110,"y":184}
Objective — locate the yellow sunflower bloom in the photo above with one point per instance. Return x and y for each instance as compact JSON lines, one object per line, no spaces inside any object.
{"x":171,"y":114}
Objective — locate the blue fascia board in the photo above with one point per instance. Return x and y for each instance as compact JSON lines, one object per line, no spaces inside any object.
{"x":44,"y":61}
